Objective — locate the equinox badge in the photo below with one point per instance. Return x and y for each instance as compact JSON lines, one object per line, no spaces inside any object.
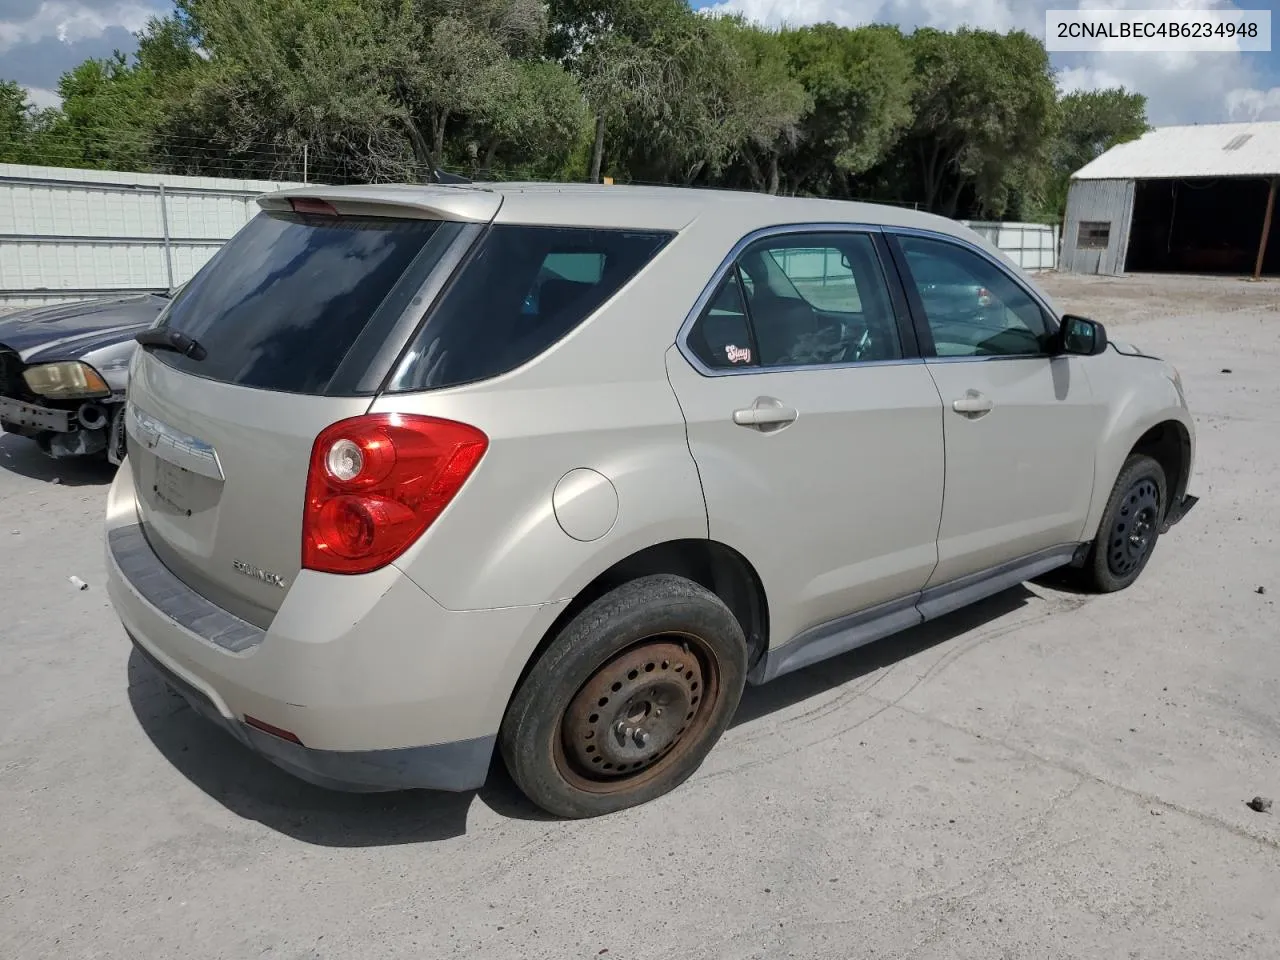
{"x":266,"y":576}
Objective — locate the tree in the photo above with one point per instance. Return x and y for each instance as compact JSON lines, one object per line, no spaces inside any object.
{"x":1087,"y":124}
{"x":767,"y":103}
{"x":17,"y":121}
{"x":286,"y":78}
{"x":627,"y":55}
{"x":982,"y":113}
{"x":646,"y":90}
{"x":861,"y":84}
{"x":539,"y":120}
{"x":109,"y":115}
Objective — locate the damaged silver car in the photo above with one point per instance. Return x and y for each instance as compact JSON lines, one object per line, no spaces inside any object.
{"x":64,"y":369}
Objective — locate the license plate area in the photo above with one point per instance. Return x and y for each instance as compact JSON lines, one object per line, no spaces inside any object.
{"x":173,"y":488}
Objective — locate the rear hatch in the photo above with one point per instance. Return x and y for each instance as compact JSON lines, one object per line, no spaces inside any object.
{"x":296,"y":320}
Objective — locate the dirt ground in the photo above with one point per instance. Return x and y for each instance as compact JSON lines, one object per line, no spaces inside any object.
{"x":1047,"y":775}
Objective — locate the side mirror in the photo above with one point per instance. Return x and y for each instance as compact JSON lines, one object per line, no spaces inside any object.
{"x":1081,"y":336}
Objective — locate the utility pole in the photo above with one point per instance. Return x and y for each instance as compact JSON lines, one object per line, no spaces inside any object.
{"x":1266,"y":229}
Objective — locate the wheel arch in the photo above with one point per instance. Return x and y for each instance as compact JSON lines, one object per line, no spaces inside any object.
{"x":715,"y":566}
{"x":1169,"y":444}
{"x":1167,"y":439}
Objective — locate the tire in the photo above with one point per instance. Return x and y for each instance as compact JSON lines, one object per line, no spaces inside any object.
{"x":628,"y":699}
{"x":1119,"y":553}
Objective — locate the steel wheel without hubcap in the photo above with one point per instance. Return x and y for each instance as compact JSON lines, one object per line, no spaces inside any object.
{"x":627,"y":700}
{"x":1135,"y":527}
{"x":636,"y":714}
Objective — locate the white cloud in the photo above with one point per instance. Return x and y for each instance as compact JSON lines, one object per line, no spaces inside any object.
{"x":70,"y":21}
{"x":43,"y":98}
{"x":1180,"y":87}
{"x":1250,"y":103}
{"x":944,"y":14}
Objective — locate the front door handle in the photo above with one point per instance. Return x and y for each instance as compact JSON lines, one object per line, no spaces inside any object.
{"x":767,"y":413}
{"x":973,"y":404}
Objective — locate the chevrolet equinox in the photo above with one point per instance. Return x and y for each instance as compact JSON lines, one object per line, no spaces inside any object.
{"x":416,"y":473}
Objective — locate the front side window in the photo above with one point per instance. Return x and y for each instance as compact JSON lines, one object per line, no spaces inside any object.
{"x":523,"y":290}
{"x":972,"y":307}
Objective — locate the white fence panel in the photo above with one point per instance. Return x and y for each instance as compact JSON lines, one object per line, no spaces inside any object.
{"x":1032,"y":246}
{"x":72,"y":234}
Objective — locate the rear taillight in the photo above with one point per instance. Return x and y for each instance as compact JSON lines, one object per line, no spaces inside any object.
{"x":377,"y":482}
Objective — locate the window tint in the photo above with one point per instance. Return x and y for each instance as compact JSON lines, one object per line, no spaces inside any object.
{"x":819,"y":299}
{"x":582,"y":267}
{"x":973,"y":308}
{"x":524,"y":289}
{"x":283,"y":301}
{"x":722,"y":338}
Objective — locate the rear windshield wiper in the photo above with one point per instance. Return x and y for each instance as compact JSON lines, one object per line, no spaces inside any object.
{"x":166,"y":338}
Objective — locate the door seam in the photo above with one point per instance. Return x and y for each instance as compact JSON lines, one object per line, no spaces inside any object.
{"x":684,"y":421}
{"x":942,"y":512}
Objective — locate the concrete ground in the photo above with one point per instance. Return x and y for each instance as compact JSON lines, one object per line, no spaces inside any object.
{"x":1047,"y":775}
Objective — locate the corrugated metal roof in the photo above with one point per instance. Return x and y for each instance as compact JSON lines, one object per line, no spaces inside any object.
{"x":1208,"y":150}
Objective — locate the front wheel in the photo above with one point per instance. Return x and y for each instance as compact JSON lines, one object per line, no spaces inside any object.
{"x":1130,"y":526}
{"x":628,"y":700}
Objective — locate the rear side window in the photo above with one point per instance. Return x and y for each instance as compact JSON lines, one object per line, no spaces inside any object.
{"x":523,"y":290}
{"x":722,"y":336}
{"x":285,"y":300}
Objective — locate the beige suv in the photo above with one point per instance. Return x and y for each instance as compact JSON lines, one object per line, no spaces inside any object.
{"x":416,"y":472}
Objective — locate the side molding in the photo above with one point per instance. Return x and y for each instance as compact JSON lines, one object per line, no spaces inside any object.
{"x":858,"y":629}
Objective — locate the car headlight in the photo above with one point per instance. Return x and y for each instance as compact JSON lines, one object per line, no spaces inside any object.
{"x":70,"y":380}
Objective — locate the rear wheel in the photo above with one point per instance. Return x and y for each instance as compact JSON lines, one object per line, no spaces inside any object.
{"x":628,"y":700}
{"x":1130,"y":526}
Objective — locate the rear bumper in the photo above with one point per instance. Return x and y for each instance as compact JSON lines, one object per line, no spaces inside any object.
{"x":457,"y":766}
{"x":383,"y":688}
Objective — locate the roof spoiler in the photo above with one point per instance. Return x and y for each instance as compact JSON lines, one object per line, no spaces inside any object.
{"x":467,"y":204}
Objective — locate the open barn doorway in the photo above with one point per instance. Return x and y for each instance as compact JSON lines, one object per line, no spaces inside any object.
{"x":1201,"y":226}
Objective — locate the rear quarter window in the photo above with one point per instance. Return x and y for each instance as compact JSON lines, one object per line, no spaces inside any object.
{"x":286,"y":299}
{"x":524,"y":289}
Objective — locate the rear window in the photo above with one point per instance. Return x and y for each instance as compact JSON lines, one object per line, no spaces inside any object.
{"x":284,"y":301}
{"x":524,"y":289}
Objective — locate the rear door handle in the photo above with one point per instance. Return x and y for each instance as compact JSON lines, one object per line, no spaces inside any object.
{"x":766,"y":413}
{"x":973,"y":404}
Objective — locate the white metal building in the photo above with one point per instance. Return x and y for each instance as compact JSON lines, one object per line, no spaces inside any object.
{"x":70,"y":234}
{"x":1195,"y":199}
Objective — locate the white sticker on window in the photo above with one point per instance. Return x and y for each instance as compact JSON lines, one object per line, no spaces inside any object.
{"x":737,"y":354}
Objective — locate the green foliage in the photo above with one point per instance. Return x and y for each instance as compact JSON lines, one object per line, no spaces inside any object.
{"x":982,"y":109}
{"x":17,"y":119}
{"x":535,"y":125}
{"x":965,"y":123}
{"x":1086,"y":125}
{"x":861,"y":84}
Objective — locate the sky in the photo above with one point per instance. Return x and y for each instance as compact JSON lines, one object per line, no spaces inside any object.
{"x":39,"y":39}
